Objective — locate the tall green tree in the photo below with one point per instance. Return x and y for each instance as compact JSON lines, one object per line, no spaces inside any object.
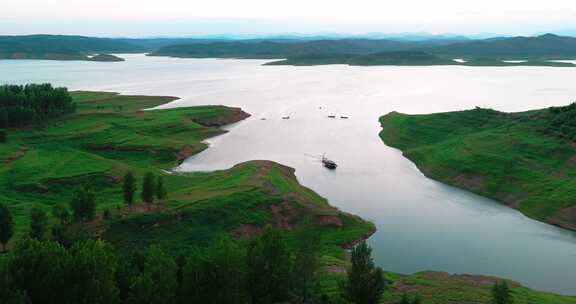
{"x":269,"y":268}
{"x":40,"y":269}
{"x":501,"y":293}
{"x":129,"y":188}
{"x":3,"y":136}
{"x":60,"y":212}
{"x":306,"y":265}
{"x":216,"y":275}
{"x":364,"y":282}
{"x":156,"y":284}
{"x":93,"y":279}
{"x":148,"y":187}
{"x":405,"y":299}
{"x":161,"y":191}
{"x":38,"y":223}
{"x":6,"y":226}
{"x":83,"y":205}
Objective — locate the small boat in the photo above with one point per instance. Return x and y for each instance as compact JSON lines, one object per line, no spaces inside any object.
{"x":344,"y":117}
{"x":286,"y":117}
{"x":328,"y":163}
{"x":331,"y":116}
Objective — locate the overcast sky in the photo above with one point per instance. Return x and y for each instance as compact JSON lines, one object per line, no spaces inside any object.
{"x":194,"y":17}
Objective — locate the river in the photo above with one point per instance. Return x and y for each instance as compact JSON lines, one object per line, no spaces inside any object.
{"x":422,"y":224}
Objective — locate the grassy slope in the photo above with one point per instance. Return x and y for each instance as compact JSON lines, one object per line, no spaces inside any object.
{"x":508,"y":157}
{"x":101,"y":142}
{"x":443,"y":288}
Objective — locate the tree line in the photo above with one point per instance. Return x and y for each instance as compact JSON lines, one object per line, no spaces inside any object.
{"x":22,"y":105}
{"x":261,"y":271}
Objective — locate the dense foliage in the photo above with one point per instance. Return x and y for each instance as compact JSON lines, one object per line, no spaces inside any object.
{"x":365,"y":282}
{"x":32,"y":103}
{"x":83,"y":205}
{"x":91,"y":271}
{"x":501,"y":293}
{"x":129,"y":187}
{"x":562,"y":121}
{"x":6,"y":226}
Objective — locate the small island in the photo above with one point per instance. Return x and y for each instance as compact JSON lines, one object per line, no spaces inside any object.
{"x":106,"y":58}
{"x":405,"y":58}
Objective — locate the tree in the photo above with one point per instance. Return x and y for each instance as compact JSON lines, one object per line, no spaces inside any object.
{"x":6,"y":226}
{"x":501,"y":293}
{"x":161,"y":191}
{"x":216,"y":275}
{"x":93,"y":268}
{"x":364,"y":282}
{"x":83,"y":205}
{"x":305,"y":276}
{"x":38,"y":223}
{"x":40,"y":269}
{"x":156,"y":284}
{"x":129,"y":188}
{"x":405,"y":299}
{"x":60,"y":212}
{"x":269,"y":268}
{"x":3,"y":136}
{"x":148,"y":188}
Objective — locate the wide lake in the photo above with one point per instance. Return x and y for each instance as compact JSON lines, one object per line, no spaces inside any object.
{"x":422,"y":224}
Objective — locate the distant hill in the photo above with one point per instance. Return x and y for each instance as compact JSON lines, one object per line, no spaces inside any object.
{"x":61,"y":47}
{"x":548,"y":46}
{"x":540,"y":48}
{"x":544,"y":47}
{"x":272,"y":49}
{"x":260,"y":49}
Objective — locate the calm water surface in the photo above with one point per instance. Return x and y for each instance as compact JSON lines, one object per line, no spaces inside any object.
{"x":422,"y":224}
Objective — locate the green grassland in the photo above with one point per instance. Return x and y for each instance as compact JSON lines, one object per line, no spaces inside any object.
{"x":110,"y":135}
{"x":444,"y":288}
{"x":525,"y":160}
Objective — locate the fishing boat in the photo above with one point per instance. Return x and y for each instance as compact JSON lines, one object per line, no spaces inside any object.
{"x":286,"y":117}
{"x":328,"y":163}
{"x":331,"y":116}
{"x":344,"y":117}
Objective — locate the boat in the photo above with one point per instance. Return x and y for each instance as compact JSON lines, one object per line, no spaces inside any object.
{"x":344,"y":117}
{"x":331,"y":116}
{"x":328,"y":163}
{"x":286,"y":117}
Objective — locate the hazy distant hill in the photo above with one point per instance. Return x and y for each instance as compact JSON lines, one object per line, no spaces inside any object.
{"x":546,"y":46}
{"x":287,"y":48}
{"x":57,"y":47}
{"x":61,"y":47}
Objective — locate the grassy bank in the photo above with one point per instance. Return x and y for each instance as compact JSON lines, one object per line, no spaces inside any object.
{"x":525,"y":160}
{"x":444,"y":288}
